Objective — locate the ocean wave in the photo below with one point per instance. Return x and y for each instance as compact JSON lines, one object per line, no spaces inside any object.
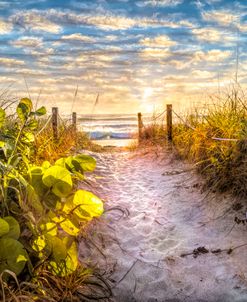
{"x":99,"y":135}
{"x":116,"y":125}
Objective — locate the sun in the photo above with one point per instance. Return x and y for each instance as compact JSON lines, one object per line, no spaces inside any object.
{"x":147,"y":93}
{"x":146,"y":104}
{"x":148,"y":108}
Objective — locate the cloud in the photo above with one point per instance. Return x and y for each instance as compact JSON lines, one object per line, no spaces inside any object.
{"x":199,"y":58}
{"x":8,"y":62}
{"x":156,"y":53}
{"x":214,"y":55}
{"x":5,"y":27}
{"x":30,"y":42}
{"x":104,"y":20}
{"x":77,"y":37}
{"x":203,"y":74}
{"x":158,"y":41}
{"x":226,"y":18}
{"x":212,"y":35}
{"x":34,"y":21}
{"x":222,"y":17}
{"x":160,"y":3}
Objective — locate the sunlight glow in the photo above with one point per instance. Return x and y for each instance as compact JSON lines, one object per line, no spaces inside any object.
{"x":147,"y":93}
{"x":146,"y":105}
{"x":148,"y":108}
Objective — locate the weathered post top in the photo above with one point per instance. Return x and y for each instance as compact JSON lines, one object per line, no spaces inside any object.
{"x":140,"y":126}
{"x":55,"y":122}
{"x":169,"y":121}
{"x":74,"y":120}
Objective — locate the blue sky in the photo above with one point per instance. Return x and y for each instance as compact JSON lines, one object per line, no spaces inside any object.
{"x":134,"y":53}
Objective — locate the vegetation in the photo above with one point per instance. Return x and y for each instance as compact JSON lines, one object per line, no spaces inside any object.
{"x":41,"y":211}
{"x":222,"y":162}
{"x":213,"y":138}
{"x":153,"y":133}
{"x":46,"y":148}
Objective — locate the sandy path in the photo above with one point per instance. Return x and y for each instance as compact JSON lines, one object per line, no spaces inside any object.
{"x":167,"y":216}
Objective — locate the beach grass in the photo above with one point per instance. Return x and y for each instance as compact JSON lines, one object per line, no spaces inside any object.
{"x":214,"y":138}
{"x":47,"y":148}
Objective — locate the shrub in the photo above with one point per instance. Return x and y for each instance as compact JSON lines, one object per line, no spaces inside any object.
{"x":41,"y":211}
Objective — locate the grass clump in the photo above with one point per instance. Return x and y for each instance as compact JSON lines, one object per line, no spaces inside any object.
{"x":201,"y":139}
{"x":69,"y":140}
{"x":153,"y":133}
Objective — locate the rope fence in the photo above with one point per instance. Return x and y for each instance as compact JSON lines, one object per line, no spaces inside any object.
{"x":169,"y":123}
{"x":57,"y":122}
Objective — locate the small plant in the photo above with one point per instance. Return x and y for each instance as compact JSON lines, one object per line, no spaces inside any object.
{"x":41,"y":211}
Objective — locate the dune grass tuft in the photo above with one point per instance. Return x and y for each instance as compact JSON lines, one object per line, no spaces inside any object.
{"x":222,"y":162}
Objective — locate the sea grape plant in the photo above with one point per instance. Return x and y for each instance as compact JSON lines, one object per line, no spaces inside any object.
{"x":42,"y":212}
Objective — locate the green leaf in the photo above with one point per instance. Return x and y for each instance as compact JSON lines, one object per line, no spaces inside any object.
{"x":80,"y":163}
{"x":24,"y":108}
{"x":59,"y":251}
{"x":33,"y":125}
{"x":27,"y":137}
{"x":33,"y":199}
{"x":46,"y":165}
{"x":73,"y":166}
{"x":13,"y":256}
{"x":84,"y":204}
{"x":67,"y":266}
{"x":87,"y":163}
{"x":4,"y":227}
{"x":14,"y":228}
{"x":51,"y":200}
{"x":68,"y":164}
{"x":60,"y":162}
{"x":36,"y":181}
{"x":39,"y":243}
{"x":59,"y":180}
{"x":2,"y":117}
{"x":49,"y":228}
{"x":41,"y":111}
{"x":69,"y":225}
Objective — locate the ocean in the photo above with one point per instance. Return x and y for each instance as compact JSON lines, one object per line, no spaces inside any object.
{"x":111,"y":129}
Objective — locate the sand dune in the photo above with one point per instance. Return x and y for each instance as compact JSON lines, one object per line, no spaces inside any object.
{"x":155,"y":212}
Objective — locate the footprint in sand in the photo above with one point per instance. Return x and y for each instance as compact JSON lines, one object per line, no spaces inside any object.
{"x":163,"y":222}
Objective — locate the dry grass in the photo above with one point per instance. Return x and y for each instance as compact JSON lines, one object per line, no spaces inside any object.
{"x":46,"y":148}
{"x":82,"y":285}
{"x":223,"y":163}
{"x":153,"y":133}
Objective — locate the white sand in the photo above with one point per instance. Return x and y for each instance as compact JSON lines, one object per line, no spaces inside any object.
{"x":168,"y":215}
{"x":115,"y":142}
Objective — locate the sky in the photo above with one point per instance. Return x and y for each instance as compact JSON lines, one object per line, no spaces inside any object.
{"x":137,"y":55}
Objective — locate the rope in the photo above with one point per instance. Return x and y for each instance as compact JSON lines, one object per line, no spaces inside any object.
{"x":225,"y":139}
{"x":62,"y":121}
{"x":213,"y":138}
{"x":186,"y":124}
{"x":156,"y":117}
{"x":45,"y":125}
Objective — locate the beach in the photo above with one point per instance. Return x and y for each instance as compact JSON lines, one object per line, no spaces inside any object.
{"x":162,"y":238}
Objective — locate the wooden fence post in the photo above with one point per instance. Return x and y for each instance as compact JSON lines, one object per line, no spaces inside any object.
{"x":140,"y":126}
{"x":169,"y":122}
{"x":74,"y":121}
{"x":55,"y":122}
